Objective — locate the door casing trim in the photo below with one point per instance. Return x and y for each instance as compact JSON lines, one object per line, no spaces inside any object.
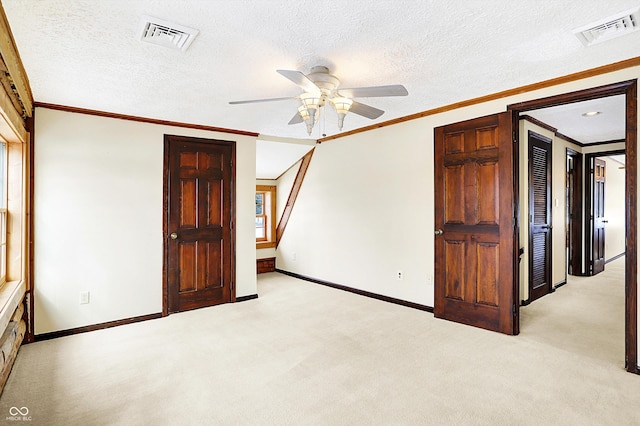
{"x":628,"y":88}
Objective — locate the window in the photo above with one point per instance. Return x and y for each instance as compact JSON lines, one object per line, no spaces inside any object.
{"x":265,"y":216}
{"x":261,"y":217}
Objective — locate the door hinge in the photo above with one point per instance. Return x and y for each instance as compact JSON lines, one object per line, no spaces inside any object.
{"x":514,"y":137}
{"x":513,"y":310}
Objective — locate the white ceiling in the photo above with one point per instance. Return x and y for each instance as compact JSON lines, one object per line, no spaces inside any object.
{"x":621,"y":159}
{"x":87,"y":54}
{"x":273,"y":157}
{"x":609,"y":125}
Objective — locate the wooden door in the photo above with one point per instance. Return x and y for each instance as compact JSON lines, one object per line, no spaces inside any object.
{"x":598,"y":187}
{"x":574,"y":212}
{"x":199,"y":236}
{"x":475,"y":249}
{"x":539,"y":216}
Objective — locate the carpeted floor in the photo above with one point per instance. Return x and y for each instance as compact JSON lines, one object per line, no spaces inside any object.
{"x":308,"y":354}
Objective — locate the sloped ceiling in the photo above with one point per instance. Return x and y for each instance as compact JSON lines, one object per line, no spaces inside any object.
{"x":274,"y":157}
{"x":87,"y":53}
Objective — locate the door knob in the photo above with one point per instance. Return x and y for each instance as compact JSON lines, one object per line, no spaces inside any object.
{"x":173,"y":235}
{"x":439,"y":232}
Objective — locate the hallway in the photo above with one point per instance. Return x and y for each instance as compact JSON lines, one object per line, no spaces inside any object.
{"x":585,"y":316}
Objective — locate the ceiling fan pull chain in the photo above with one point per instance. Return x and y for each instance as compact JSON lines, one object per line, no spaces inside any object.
{"x":324,"y":121}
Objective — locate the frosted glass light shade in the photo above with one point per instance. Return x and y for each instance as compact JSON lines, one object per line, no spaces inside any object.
{"x":342,"y":106}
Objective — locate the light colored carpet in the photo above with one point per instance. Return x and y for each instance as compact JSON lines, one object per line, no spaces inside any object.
{"x":308,"y":354}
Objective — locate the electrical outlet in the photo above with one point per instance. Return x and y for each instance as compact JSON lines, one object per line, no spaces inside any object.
{"x":399,"y":275}
{"x":294,"y":256}
{"x":84,"y":297}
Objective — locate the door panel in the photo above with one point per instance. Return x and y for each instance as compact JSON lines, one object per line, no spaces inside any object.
{"x":488,"y":178}
{"x":198,"y":226}
{"x":474,"y":195}
{"x":488,"y":265}
{"x":539,"y":216}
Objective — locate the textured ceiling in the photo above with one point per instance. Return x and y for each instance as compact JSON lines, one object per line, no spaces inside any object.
{"x":608,"y":125}
{"x":86,"y":53}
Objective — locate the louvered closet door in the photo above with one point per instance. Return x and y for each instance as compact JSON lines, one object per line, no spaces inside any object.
{"x":539,"y":216}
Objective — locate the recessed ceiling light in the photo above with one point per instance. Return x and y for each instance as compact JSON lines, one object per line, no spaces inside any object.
{"x":591,"y":113}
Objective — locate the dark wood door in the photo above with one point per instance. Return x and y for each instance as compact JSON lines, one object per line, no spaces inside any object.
{"x":199,"y":236}
{"x":539,"y":216}
{"x":475,"y":249}
{"x":574,"y":212}
{"x":599,"y":221}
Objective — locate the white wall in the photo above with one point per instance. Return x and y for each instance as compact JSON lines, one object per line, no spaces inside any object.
{"x":364,"y":212}
{"x":614,"y":212}
{"x":98,"y":217}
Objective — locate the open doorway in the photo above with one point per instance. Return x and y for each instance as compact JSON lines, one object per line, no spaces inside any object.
{"x":598,"y":212}
{"x":604,"y":209}
{"x":627,"y":90}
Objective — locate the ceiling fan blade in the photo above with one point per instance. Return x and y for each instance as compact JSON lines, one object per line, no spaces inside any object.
{"x":300,"y":79}
{"x":296,"y":119}
{"x":254,"y":101}
{"x":365,"y":110}
{"x":374,"y":91}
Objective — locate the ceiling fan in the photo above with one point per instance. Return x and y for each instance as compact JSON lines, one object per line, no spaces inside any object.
{"x":320,"y":87}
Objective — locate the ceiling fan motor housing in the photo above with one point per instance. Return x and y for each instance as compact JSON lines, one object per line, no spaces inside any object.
{"x":327,"y":83}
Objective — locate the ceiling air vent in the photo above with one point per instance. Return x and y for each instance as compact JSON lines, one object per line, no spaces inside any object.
{"x":608,"y":28}
{"x":166,"y":34}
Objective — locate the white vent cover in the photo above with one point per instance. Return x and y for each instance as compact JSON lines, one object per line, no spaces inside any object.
{"x":608,"y":28}
{"x":166,"y":34}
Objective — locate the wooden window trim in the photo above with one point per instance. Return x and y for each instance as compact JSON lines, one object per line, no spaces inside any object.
{"x":4,"y":214}
{"x":3,"y":246}
{"x":270,"y":222}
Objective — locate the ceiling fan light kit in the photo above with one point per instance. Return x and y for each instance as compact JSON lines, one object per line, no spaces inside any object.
{"x":342,"y":106}
{"x":319,"y":87}
{"x":304,"y":114}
